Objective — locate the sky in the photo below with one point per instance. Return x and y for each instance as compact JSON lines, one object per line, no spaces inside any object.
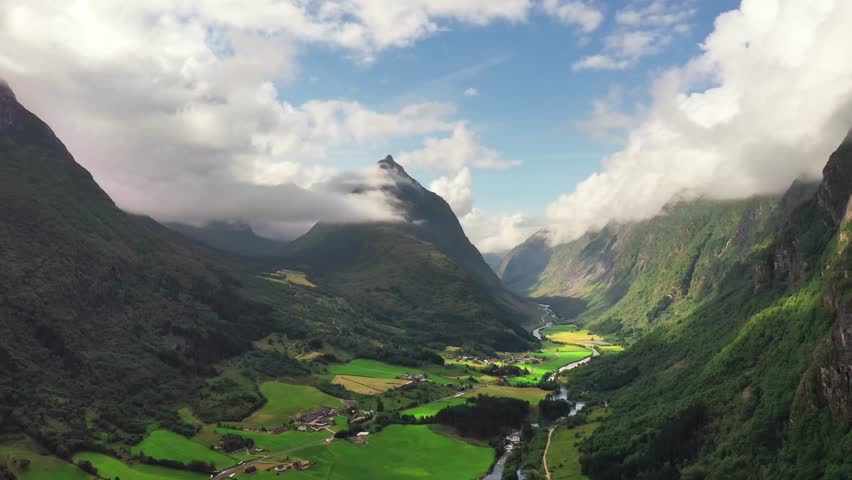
{"x":562,"y":115}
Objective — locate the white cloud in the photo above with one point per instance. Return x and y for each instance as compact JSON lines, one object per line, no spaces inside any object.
{"x":648,"y":27}
{"x":457,"y":191}
{"x":471,"y":92}
{"x":490,"y":232}
{"x":600,"y":62}
{"x":608,"y":121}
{"x":174,"y":106}
{"x":500,"y":232}
{"x":652,"y":13}
{"x":584,"y":15}
{"x":460,"y":149}
{"x":765,"y":103}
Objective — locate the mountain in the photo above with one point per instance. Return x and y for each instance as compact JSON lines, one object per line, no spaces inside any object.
{"x":737,"y":319}
{"x":640,"y":273}
{"x":107,"y":318}
{"x":421,"y":275}
{"x":228,"y":237}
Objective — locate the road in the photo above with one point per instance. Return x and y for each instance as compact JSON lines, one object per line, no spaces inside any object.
{"x":546,"y":448}
{"x":236,"y":468}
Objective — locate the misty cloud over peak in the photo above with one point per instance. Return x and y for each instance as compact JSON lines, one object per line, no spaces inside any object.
{"x":766,"y":103}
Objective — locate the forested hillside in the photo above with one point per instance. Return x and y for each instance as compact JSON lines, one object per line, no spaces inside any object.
{"x":423,"y":276}
{"x":737,"y":311}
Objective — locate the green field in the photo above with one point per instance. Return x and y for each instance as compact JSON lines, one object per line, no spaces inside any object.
{"x":563,"y":457}
{"x":166,"y":445}
{"x":109,"y":467}
{"x":374,"y":369}
{"x":569,"y":334}
{"x":431,"y":409}
{"x":277,"y":443}
{"x":42,"y":466}
{"x":531,"y":395}
{"x":558,"y":355}
{"x":371,"y":368}
{"x":399,"y":453}
{"x":284,"y":401}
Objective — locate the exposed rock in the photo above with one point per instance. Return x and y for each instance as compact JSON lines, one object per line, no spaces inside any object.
{"x":836,"y":187}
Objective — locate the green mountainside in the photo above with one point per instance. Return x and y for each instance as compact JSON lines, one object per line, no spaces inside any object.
{"x":106,"y":317}
{"x":231,"y":238}
{"x":422,"y":276}
{"x":112,"y":323}
{"x":736,"y":313}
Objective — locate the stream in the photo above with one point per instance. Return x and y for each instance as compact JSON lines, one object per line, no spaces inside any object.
{"x":512,"y":441}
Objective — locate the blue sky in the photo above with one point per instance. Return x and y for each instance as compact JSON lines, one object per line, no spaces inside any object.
{"x":583,"y":112}
{"x":529,"y":96}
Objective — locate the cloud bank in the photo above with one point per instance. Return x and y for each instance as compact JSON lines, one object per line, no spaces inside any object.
{"x":766,"y":102}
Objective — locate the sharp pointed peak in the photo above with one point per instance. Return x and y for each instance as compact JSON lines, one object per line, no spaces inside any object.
{"x":5,"y":89}
{"x":389,"y":164}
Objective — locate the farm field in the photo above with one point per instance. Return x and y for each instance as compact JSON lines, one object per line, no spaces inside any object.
{"x":42,"y":467}
{"x":399,"y":452}
{"x":290,"y":276}
{"x":368,"y":385}
{"x":284,"y":401}
{"x":431,"y":409}
{"x":563,"y":457}
{"x":569,"y":334}
{"x":166,"y":445}
{"x":605,"y":349}
{"x":374,"y":369}
{"x":560,"y":356}
{"x":531,"y":395}
{"x":276,"y":443}
{"x":110,"y":467}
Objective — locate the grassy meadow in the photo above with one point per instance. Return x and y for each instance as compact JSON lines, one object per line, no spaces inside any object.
{"x":399,"y":452}
{"x":368,"y":385}
{"x":531,"y":395}
{"x":110,"y":467}
{"x":558,"y":355}
{"x":569,"y":334}
{"x":284,"y":401}
{"x":563,"y":457}
{"x":276,"y":443}
{"x":42,"y":466}
{"x":379,"y":370}
{"x":290,"y":276}
{"x":166,"y":445}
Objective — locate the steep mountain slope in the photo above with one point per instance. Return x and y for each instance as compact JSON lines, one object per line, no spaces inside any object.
{"x":422,"y":275}
{"x":642,"y":273}
{"x":107,"y":319}
{"x":233,"y":238}
{"x":749,"y":377}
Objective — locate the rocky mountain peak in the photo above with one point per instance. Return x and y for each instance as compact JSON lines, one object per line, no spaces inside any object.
{"x":836,"y":187}
{"x":389,"y":164}
{"x":7,"y":105}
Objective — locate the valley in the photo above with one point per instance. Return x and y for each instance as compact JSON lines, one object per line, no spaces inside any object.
{"x":301,"y":432}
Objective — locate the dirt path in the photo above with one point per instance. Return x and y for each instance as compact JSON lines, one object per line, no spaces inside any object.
{"x":549,"y":437}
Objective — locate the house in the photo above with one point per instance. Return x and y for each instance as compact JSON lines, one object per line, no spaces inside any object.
{"x":303,"y":465}
{"x":303,"y":428}
{"x":250,"y":470}
{"x":281,"y":468}
{"x":362,"y":434}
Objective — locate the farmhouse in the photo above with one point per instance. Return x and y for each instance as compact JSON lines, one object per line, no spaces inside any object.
{"x":303,"y":465}
{"x":413,"y":377}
